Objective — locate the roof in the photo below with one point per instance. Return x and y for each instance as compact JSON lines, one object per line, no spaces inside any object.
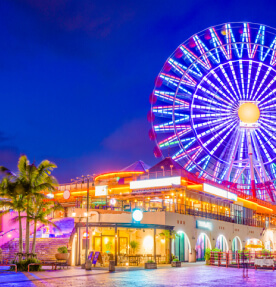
{"x":137,"y":166}
{"x":168,"y":164}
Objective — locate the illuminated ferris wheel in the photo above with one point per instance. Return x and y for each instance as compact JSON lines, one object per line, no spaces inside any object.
{"x":213,"y":107}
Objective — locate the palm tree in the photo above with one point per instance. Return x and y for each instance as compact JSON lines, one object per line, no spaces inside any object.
{"x":40,"y":211}
{"x":22,"y":188}
{"x":11,"y":190}
{"x":34,"y":180}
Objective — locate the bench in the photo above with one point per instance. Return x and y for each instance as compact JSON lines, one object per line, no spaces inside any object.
{"x":62,"y":263}
{"x":45,"y":263}
{"x":6,"y":263}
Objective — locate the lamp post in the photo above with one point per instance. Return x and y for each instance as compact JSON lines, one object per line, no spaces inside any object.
{"x":87,"y":179}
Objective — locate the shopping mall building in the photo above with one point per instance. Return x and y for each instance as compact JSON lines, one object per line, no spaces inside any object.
{"x":181,"y":215}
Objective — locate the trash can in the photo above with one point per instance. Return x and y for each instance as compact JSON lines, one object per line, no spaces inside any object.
{"x":112,"y":266}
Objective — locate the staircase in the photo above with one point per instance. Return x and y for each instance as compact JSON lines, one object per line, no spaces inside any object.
{"x":46,"y":248}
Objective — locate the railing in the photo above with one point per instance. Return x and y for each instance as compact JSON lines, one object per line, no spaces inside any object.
{"x":236,"y":258}
{"x":240,"y":190}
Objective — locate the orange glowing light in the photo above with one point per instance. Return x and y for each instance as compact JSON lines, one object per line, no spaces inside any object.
{"x":118,"y":174}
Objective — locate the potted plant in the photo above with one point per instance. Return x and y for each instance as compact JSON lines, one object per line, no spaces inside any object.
{"x":134,"y":245}
{"x":207,"y":256}
{"x":150,"y":264}
{"x":176,"y":263}
{"x":62,"y":253}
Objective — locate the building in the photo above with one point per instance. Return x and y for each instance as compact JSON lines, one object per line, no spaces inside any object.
{"x":182,"y":215}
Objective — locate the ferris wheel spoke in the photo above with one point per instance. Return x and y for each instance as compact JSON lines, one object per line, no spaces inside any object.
{"x":173,"y":140}
{"x":211,"y":93}
{"x":214,"y":129}
{"x":167,"y":111}
{"x":169,"y":97}
{"x":192,"y":58}
{"x":172,"y":82}
{"x":248,"y":79}
{"x":211,"y":115}
{"x":211,"y":123}
{"x":218,"y":44}
{"x":231,"y":98}
{"x":262,"y":82}
{"x":180,"y":69}
{"x":242,"y":78}
{"x":192,"y":159}
{"x":262,"y":145}
{"x":264,"y":103}
{"x":211,"y":101}
{"x":169,"y":126}
{"x":202,"y":49}
{"x":209,"y":108}
{"x":256,"y":79}
{"x":184,"y":153}
{"x":229,"y":82}
{"x":235,"y":79}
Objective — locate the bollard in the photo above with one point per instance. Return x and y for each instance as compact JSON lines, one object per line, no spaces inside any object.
{"x":88,"y":265}
{"x":112,"y":266}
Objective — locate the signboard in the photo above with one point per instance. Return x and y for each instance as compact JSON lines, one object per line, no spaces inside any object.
{"x":202,"y":224}
{"x":219,"y":192}
{"x":159,"y":182}
{"x":97,"y":258}
{"x":66,"y":194}
{"x":90,"y":256}
{"x":101,"y":190}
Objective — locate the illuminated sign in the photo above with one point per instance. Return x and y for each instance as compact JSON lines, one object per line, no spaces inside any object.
{"x":101,"y":190}
{"x":219,"y":192}
{"x":66,"y":194}
{"x":137,"y":215}
{"x":201,"y":224}
{"x":159,"y":182}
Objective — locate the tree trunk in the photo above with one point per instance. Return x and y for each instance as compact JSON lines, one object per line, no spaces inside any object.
{"x":34,"y":238}
{"x":27,"y":240}
{"x":20,"y":233}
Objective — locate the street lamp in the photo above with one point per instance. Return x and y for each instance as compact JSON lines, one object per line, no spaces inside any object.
{"x":87,"y":179}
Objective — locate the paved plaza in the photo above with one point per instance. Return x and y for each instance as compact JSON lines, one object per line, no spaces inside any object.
{"x":188,"y":275}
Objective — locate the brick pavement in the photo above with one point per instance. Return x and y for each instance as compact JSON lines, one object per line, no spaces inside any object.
{"x":189,"y":275}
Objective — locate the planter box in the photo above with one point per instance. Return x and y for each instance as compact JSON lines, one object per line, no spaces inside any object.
{"x":150,"y":265}
{"x":62,"y":256}
{"x":176,"y":263}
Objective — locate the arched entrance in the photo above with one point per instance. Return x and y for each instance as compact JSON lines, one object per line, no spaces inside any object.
{"x":222,"y":243}
{"x":268,"y":245}
{"x":202,"y":243}
{"x":182,"y":246}
{"x":236,"y":244}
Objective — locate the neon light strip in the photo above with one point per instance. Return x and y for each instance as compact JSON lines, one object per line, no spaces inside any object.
{"x":192,"y":57}
{"x":228,"y":80}
{"x":203,"y":99}
{"x":239,"y":54}
{"x":216,"y":88}
{"x":184,"y":68}
{"x":217,"y":134}
{"x":202,"y":48}
{"x":235,"y":78}
{"x":212,"y":122}
{"x":184,"y":154}
{"x":211,"y":115}
{"x":217,"y":42}
{"x":172,"y":138}
{"x":220,"y":142}
{"x":247,"y":38}
{"x":241,"y":147}
{"x":255,"y":79}
{"x":269,"y":101}
{"x":214,"y":128}
{"x":267,"y":86}
{"x":223,"y":85}
{"x":193,"y":158}
{"x":259,"y":38}
{"x":262,"y":145}
{"x":249,"y":78}
{"x":169,"y":97}
{"x":228,"y":41}
{"x":271,"y":47}
{"x":242,"y":80}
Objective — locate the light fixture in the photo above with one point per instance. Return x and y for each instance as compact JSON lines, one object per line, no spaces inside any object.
{"x":137,"y":215}
{"x":74,"y":214}
{"x":85,"y":214}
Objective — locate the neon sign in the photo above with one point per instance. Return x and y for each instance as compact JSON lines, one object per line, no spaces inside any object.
{"x":159,"y":182}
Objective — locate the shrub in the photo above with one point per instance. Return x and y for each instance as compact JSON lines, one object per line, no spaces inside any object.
{"x":175,"y":260}
{"x":207,"y":255}
{"x":23,"y":265}
{"x":216,"y":254}
{"x":62,"y":249}
{"x":265,"y":252}
{"x":150,"y":261}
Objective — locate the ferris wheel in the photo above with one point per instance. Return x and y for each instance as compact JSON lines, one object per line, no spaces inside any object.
{"x":213,"y":107}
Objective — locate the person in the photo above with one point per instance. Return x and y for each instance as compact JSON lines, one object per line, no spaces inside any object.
{"x":244,"y":260}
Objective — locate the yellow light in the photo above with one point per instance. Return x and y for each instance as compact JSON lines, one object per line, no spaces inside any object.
{"x":74,"y":214}
{"x":172,"y":194}
{"x":163,"y":241}
{"x":180,"y":194}
{"x":249,"y":113}
{"x":85,"y":214}
{"x":148,"y":243}
{"x":106,"y":240}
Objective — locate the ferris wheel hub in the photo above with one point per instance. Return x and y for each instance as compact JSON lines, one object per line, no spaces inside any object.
{"x":249,"y":113}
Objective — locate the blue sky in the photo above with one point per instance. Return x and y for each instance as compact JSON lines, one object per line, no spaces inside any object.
{"x":75,"y":75}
